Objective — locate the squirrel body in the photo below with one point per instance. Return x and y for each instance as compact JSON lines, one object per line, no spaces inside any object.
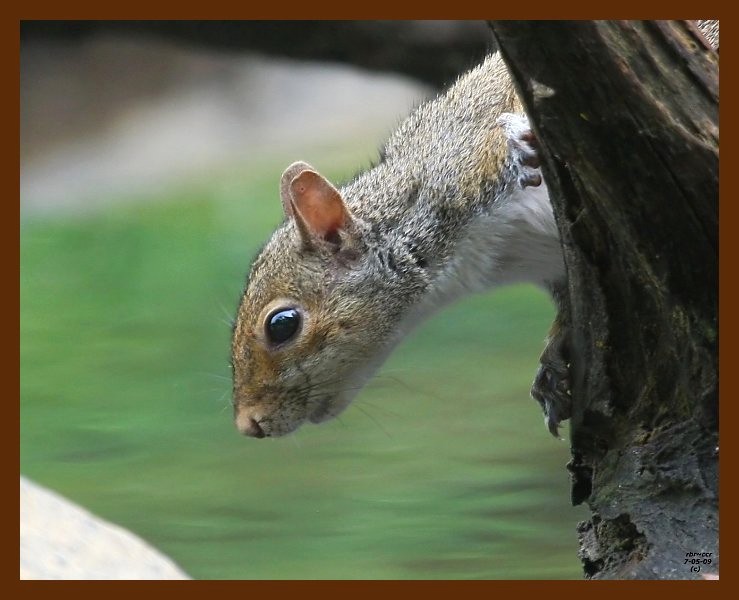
{"x":455,"y":206}
{"x":441,"y":216}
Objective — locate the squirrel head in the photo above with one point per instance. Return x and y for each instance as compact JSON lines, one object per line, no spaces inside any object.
{"x":315,"y":320}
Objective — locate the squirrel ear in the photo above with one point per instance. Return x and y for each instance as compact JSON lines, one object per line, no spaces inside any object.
{"x":315,"y":204}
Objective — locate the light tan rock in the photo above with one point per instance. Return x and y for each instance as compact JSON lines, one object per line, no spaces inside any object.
{"x":60,"y":540}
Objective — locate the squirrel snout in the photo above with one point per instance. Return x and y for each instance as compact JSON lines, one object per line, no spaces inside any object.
{"x":248,"y":425}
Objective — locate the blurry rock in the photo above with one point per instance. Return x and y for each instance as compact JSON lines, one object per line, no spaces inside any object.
{"x":60,"y":540}
{"x":113,"y":119}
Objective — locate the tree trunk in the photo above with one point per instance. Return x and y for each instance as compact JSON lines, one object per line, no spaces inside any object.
{"x":626,"y":115}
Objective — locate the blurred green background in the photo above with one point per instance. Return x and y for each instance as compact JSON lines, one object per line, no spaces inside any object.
{"x":441,"y":469}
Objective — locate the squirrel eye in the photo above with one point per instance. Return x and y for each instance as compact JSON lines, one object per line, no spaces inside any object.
{"x":282,"y":325}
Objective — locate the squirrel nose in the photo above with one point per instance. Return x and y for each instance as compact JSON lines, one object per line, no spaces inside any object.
{"x":248,"y":425}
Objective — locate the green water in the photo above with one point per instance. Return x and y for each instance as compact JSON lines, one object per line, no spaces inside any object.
{"x":442,"y":468}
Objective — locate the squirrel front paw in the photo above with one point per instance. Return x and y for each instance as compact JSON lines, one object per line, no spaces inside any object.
{"x":551,"y":387}
{"x":522,"y":148}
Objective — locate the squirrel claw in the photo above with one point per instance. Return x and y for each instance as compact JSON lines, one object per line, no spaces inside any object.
{"x":551,"y":391}
{"x":551,"y":387}
{"x":523,"y":149}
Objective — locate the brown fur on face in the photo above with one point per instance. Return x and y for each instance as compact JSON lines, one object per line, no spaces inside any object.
{"x":314,"y":375}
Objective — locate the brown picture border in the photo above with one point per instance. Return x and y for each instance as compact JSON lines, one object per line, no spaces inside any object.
{"x":362,"y":589}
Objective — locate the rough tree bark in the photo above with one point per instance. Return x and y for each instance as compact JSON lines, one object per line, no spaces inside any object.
{"x":626,"y":114}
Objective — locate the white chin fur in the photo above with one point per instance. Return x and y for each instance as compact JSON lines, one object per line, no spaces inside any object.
{"x":334,"y":406}
{"x":330,"y":409}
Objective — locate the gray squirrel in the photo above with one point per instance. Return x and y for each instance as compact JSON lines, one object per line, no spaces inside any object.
{"x":456,"y":205}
